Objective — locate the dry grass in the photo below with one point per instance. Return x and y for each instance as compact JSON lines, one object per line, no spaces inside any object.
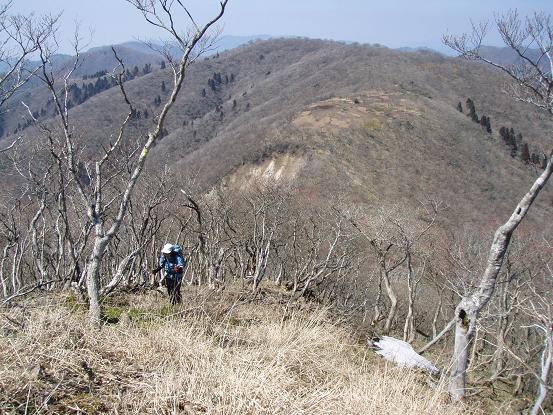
{"x":258,"y":359}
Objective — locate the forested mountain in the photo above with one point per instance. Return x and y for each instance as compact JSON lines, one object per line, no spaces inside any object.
{"x":370,"y":124}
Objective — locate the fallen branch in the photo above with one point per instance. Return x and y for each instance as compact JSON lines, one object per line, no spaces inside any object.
{"x":26,"y":291}
{"x":432,"y":342}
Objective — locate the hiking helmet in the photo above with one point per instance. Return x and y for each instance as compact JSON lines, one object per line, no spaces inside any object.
{"x":167,"y":249}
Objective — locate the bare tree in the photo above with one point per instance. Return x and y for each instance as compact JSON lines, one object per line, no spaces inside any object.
{"x":106,"y":207}
{"x":530,"y":81}
{"x":529,"y":351}
{"x":393,"y":237}
{"x":531,"y":39}
{"x":540,"y":308}
{"x":467,"y":311}
{"x":20,"y":38}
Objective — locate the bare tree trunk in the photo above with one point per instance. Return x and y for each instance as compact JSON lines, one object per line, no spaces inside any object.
{"x":546,"y":363}
{"x":93,"y":281}
{"x":437,"y":338}
{"x":466,"y":312}
{"x":393,"y":302}
{"x":2,"y":279}
{"x":35,"y":250}
{"x":474,"y":352}
{"x":502,"y":325}
{"x":15,"y":268}
{"x":437,"y":314}
{"x":278,"y":278}
{"x":412,"y":283}
{"x":120,"y":272}
{"x":376,"y":317}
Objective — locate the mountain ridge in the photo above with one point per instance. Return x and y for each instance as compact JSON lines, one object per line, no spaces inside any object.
{"x":365,"y":124}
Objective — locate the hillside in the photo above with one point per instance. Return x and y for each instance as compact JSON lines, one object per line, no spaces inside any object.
{"x":332,"y":192}
{"x":354,"y":123}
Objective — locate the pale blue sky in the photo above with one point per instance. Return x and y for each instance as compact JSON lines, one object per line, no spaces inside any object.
{"x":393,"y":23}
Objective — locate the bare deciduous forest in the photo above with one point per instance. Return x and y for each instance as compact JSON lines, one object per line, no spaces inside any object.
{"x":325,"y":195}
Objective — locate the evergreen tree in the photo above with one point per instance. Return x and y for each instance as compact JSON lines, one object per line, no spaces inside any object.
{"x":514,"y":148}
{"x":459,"y":107}
{"x":162,"y":65}
{"x":485,"y":122}
{"x":524,"y":153}
{"x":510,"y":140}
{"x":163,"y":87}
{"x":504,"y":134}
{"x":472,"y":110}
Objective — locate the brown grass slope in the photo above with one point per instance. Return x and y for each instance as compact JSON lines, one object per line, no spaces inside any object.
{"x":215,"y":355}
{"x":367,"y":123}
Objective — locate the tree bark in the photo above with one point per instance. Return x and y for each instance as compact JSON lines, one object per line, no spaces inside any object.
{"x":93,"y":281}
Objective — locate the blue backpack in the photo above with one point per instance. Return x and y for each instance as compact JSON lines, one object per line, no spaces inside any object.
{"x":177,"y":250}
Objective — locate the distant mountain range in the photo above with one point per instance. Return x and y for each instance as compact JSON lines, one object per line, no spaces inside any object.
{"x":418,"y":49}
{"x":135,"y":53}
{"x":366,"y":124}
{"x":139,"y":53}
{"x":220,"y":45}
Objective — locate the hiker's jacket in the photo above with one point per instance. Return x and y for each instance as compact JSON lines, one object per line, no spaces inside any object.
{"x":173,"y":264}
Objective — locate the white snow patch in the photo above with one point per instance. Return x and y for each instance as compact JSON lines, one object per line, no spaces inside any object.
{"x":402,"y":354}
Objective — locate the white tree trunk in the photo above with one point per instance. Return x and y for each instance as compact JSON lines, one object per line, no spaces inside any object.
{"x":546,"y":363}
{"x":93,"y":281}
{"x":393,"y":302}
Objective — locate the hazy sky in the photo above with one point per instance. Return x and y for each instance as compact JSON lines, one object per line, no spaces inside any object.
{"x":393,"y":23}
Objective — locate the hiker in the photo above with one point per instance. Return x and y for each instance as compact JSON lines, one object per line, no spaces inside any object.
{"x":171,"y":261}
